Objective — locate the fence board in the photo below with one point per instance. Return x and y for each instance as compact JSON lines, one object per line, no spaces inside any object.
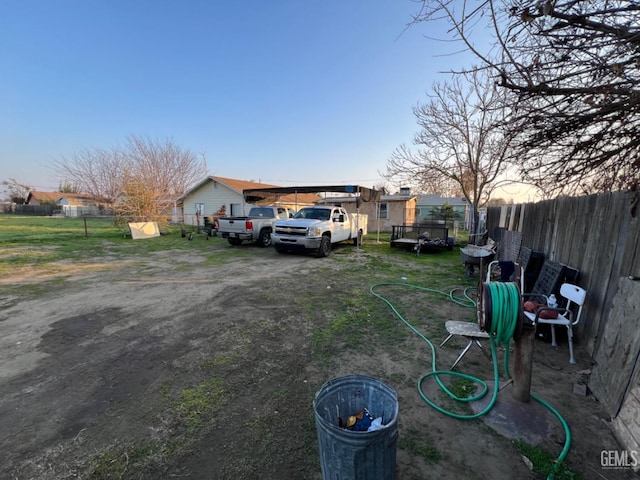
{"x":619,"y":350}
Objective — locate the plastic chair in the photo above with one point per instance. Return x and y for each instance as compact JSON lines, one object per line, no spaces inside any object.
{"x":575,"y":297}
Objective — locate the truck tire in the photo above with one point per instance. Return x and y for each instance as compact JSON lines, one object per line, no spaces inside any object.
{"x":264,"y":239}
{"x":325,"y":247}
{"x":358,"y":239}
{"x":234,"y":241}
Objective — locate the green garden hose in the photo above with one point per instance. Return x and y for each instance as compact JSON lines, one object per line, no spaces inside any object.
{"x":505,"y":312}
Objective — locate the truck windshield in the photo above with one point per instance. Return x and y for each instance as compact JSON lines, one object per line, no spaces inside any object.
{"x":261,"y":212}
{"x":314,"y":213}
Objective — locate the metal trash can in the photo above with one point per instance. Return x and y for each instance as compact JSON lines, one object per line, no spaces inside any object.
{"x":352,"y":455}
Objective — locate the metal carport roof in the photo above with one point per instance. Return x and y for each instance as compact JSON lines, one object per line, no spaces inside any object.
{"x":363,"y":194}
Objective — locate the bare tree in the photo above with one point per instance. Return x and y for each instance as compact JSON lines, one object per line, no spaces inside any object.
{"x":155,"y":174}
{"x":573,"y":69}
{"x":460,"y":144}
{"x":17,"y":192}
{"x":67,"y":187}
{"x":141,"y":179}
{"x":167,"y":167}
{"x":382,"y":187}
{"x":96,"y":171}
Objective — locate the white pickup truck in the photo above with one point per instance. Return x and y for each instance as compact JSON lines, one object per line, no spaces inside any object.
{"x":257,"y":226}
{"x":315,"y":229}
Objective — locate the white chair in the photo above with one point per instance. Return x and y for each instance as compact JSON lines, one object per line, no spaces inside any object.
{"x":575,"y":297}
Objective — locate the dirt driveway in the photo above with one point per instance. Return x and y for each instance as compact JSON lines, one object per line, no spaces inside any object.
{"x":182,"y":364}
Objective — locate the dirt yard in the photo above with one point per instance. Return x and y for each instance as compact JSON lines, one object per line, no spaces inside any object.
{"x":173,"y":365}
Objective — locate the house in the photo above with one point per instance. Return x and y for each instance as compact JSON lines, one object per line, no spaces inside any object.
{"x":427,"y":204}
{"x":219,"y":196}
{"x":43,"y":198}
{"x":399,"y":209}
{"x":70,"y":204}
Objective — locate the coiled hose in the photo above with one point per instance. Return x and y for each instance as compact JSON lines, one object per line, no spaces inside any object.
{"x":501,"y":322}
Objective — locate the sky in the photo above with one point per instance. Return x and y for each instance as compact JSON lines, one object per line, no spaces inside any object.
{"x":285,"y":92}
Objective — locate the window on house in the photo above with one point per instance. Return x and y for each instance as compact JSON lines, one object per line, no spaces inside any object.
{"x":200,"y":209}
{"x":236,"y":209}
{"x":383,"y":211}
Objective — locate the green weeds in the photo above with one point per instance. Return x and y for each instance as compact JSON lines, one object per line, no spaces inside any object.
{"x":416,"y":444}
{"x":543,"y":462}
{"x":190,"y":414}
{"x":196,"y":405}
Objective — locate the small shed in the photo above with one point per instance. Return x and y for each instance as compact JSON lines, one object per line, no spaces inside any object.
{"x":390,"y":210}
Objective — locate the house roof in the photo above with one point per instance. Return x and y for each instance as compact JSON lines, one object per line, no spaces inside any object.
{"x":240,"y":185}
{"x":56,"y":197}
{"x":44,"y":196}
{"x":232,"y":183}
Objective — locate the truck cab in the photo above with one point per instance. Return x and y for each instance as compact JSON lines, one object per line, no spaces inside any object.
{"x":316,"y":229}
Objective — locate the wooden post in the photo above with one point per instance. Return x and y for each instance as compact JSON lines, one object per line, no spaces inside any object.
{"x":86,"y":232}
{"x":523,"y":363}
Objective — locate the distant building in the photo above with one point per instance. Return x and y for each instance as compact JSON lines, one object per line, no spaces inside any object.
{"x":428,"y":203}
{"x":69,"y":204}
{"x":391,"y":210}
{"x":220,"y":196}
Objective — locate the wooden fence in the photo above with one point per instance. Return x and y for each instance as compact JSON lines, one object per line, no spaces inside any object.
{"x":597,"y":234}
{"x":600,"y":236}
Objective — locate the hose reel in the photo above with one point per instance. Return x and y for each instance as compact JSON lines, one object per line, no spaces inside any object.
{"x":499,"y":310}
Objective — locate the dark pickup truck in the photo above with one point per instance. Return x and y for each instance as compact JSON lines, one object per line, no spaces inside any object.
{"x":256,"y":227}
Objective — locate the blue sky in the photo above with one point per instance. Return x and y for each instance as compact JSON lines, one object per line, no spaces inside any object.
{"x":288,"y":92}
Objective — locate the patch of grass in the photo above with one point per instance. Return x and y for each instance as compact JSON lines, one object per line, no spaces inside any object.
{"x":412,"y":444}
{"x":353,"y":321}
{"x":351,"y":313}
{"x":263,"y":435}
{"x":41,"y":242}
{"x":165,"y":389}
{"x":543,"y":462}
{"x":196,"y":405}
{"x":213,"y":362}
{"x":193,"y":410}
{"x":280,"y":394}
{"x":310,"y":439}
{"x":462,"y":387}
{"x":116,"y":461}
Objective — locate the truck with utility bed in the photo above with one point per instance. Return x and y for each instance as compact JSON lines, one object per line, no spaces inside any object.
{"x":257,"y":226}
{"x":316,"y":229}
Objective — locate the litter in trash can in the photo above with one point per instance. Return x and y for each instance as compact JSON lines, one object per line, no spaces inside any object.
{"x":357,"y":455}
{"x":362,"y":421}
